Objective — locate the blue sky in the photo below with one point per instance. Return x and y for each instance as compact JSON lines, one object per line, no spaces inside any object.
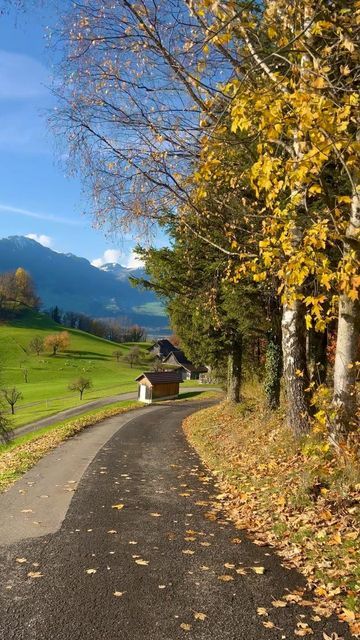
{"x":37,"y":198}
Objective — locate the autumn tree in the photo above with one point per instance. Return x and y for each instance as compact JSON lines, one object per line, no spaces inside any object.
{"x":262,"y":100}
{"x":11,"y":395}
{"x":80,"y":385}
{"x":25,"y":289}
{"x":57,"y":342}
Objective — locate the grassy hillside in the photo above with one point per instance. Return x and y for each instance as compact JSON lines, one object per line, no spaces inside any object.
{"x":47,"y":389}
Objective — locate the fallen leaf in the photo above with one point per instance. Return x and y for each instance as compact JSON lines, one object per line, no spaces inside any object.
{"x":118,"y":594}
{"x":279,"y":603}
{"x":268,"y":624}
{"x":21,"y":560}
{"x":225,"y":578}
{"x":185,"y":626}
{"x":199,"y":616}
{"x":261,"y":611}
{"x":156,"y":515}
{"x":27,"y":511}
{"x":236,"y":541}
{"x":34,"y":574}
{"x":90,"y":571}
{"x":347,"y":615}
{"x":228,"y":565}
{"x":118,"y":506}
{"x":259,"y":570}
{"x":188,"y":552}
{"x":112,"y":531}
{"x":142,"y":562}
{"x":241,"y":571}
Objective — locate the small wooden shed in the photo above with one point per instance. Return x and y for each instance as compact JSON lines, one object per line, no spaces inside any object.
{"x":158,"y":385}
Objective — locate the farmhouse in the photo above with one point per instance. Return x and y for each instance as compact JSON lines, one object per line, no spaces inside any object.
{"x":177,"y":359}
{"x":158,"y":385}
{"x":161,"y":348}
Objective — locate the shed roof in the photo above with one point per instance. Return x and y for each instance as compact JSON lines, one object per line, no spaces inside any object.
{"x":160,"y":377}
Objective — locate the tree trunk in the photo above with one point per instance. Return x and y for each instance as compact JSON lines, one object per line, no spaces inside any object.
{"x":12,"y":409}
{"x":234,"y":372}
{"x":317,"y":356}
{"x":344,"y":398}
{"x":295,"y":367}
{"x":81,"y":395}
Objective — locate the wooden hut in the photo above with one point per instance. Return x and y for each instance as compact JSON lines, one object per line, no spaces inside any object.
{"x":158,"y":385}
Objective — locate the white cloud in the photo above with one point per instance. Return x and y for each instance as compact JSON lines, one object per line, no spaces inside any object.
{"x":46,"y":241}
{"x":116,"y":256}
{"x":22,"y":77}
{"x":110,"y":255}
{"x":134,"y":262}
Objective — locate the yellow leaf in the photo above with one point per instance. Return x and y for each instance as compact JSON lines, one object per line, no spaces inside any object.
{"x":142,"y":562}
{"x":21,"y":560}
{"x":156,"y":515}
{"x":268,"y":624}
{"x":279,"y":603}
{"x":34,"y":574}
{"x":118,"y":594}
{"x":199,"y":616}
{"x":347,"y":615}
{"x":90,"y":571}
{"x":185,"y":626}
{"x":261,"y":611}
{"x":225,"y":578}
{"x":118,"y":506}
{"x":259,"y":570}
{"x":188,"y":552}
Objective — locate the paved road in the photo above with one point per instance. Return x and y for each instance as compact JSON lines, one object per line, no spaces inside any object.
{"x":148,"y":569}
{"x":88,"y":406}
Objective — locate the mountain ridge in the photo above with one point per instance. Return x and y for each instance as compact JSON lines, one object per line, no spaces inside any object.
{"x":74,"y":284}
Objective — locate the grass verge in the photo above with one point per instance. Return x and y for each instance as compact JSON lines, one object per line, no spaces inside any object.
{"x":24,"y":452}
{"x":300,"y":498}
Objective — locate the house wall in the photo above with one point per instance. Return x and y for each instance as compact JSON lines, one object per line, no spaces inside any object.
{"x":165,"y":389}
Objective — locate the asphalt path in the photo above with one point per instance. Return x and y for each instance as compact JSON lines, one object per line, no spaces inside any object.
{"x":139,"y":553}
{"x":88,"y":406}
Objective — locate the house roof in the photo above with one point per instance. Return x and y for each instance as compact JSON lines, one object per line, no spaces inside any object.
{"x":160,"y":377}
{"x":165,"y":346}
{"x":182,"y":360}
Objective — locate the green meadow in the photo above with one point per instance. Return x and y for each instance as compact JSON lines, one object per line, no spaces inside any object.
{"x":46,"y":391}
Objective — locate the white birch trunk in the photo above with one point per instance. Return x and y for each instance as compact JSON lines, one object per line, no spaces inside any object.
{"x":294,"y":367}
{"x":344,"y":398}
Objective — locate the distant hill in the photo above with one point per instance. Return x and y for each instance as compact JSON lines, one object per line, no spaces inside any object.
{"x":74,"y":284}
{"x":46,"y":391}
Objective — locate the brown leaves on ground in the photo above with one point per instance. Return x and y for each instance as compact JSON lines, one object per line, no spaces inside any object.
{"x":302,"y":500}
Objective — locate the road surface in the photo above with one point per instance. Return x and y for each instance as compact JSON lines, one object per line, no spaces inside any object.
{"x":88,"y":406}
{"x":132,"y":553}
